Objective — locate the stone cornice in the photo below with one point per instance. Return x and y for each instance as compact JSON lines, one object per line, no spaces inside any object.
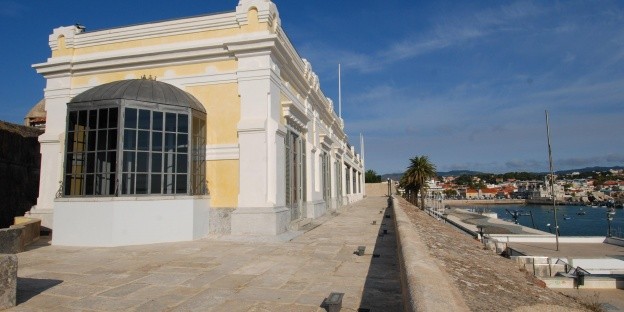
{"x":177,"y":53}
{"x":295,"y":114}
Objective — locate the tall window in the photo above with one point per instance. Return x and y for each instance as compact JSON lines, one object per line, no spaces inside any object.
{"x":325,"y":171}
{"x":348,"y":178}
{"x":155,"y":152}
{"x":198,"y":165}
{"x":295,"y":173}
{"x":91,"y":152}
{"x":338,"y":179}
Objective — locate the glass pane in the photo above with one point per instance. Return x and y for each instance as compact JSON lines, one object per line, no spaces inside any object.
{"x":170,"y":144}
{"x":183,"y":123}
{"x":127,"y":185}
{"x":112,"y":160}
{"x":103,"y":118}
{"x":82,"y":119}
{"x":168,"y":183}
{"x":182,"y":163}
{"x":90,"y":162}
{"x":170,"y":122}
{"x":142,"y":162}
{"x":143,"y":141}
{"x":101,"y":145}
{"x":93,"y":119}
{"x":129,"y":139}
{"x":169,"y":165}
{"x":141,"y":184}
{"x":111,"y":184}
{"x":156,"y":184}
{"x":156,"y":162}
{"x":102,"y":165}
{"x":78,"y":163}
{"x":128,"y":161}
{"x":181,"y":184}
{"x":112,"y":139}
{"x":157,"y":141}
{"x":100,"y":184}
{"x":130,"y":118}
{"x":182,"y":143}
{"x":89,"y":184}
{"x":68,"y":162}
{"x":91,"y":140}
{"x":79,"y":141}
{"x":70,"y":142}
{"x":144,"y":119}
{"x":67,"y":185}
{"x":73,"y":120}
{"x":113,"y":116}
{"x":157,"y":121}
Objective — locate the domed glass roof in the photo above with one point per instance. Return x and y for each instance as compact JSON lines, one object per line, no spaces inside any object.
{"x":140,"y":90}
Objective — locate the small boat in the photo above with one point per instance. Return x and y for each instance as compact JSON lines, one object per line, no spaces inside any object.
{"x":581,"y":212}
{"x":565,"y":217}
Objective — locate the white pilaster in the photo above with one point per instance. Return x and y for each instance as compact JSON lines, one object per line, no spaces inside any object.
{"x":261,"y":143}
{"x":57,"y":95}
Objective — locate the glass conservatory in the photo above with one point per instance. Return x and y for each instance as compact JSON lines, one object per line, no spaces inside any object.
{"x":134,"y":138}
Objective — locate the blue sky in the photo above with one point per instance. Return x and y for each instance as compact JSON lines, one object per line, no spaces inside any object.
{"x":463,"y":82}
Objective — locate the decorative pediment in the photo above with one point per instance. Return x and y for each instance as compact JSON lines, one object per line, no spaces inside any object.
{"x":326,"y":140}
{"x":294,"y":115}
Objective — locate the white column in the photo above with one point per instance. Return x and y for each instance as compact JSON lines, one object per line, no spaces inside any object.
{"x":57,"y":95}
{"x":261,"y":139}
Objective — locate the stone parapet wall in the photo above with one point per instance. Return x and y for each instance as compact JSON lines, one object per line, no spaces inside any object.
{"x":425,"y":286}
{"x":31,"y":229}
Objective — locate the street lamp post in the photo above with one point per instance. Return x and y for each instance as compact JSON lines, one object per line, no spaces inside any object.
{"x":389,"y":188}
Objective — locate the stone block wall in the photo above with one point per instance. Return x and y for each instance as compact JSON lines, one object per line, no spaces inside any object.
{"x":8,"y":281}
{"x":19,"y":170}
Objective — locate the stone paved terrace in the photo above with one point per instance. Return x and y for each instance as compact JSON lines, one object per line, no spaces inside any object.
{"x":218,"y":275}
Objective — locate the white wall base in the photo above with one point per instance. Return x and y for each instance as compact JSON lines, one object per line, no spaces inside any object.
{"x":45,"y":215}
{"x":260,"y":220}
{"x":316,"y":209}
{"x":120,"y":221}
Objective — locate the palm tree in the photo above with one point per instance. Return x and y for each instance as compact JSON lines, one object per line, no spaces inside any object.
{"x":415,"y":178}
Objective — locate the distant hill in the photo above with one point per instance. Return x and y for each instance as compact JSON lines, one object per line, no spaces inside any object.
{"x":589,"y":169}
{"x":458,"y":173}
{"x":392,"y":176}
{"x":455,"y":173}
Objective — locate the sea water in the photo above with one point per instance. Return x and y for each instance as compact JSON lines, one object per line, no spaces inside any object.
{"x":593,"y":223}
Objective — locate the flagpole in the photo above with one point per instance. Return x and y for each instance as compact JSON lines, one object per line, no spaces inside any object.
{"x":339,"y":94}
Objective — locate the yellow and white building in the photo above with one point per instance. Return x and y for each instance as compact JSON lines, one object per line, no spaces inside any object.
{"x":174,"y":130}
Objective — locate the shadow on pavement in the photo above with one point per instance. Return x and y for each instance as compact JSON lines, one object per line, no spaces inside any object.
{"x":30,"y":287}
{"x":382,"y":289}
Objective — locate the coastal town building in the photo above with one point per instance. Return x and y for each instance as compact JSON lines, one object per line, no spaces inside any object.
{"x":174,"y":130}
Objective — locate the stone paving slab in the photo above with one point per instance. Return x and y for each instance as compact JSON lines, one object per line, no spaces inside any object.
{"x":224,"y":275}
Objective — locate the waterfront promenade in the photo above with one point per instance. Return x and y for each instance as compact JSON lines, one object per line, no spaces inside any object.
{"x":218,"y":275}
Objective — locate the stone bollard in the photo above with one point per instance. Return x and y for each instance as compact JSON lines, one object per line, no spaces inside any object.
{"x":10,"y":242}
{"x":8,"y":281}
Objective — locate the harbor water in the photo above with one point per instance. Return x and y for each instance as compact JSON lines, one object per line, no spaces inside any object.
{"x":573,"y":220}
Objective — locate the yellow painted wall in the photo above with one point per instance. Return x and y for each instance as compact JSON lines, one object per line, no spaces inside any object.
{"x":62,"y":50}
{"x":159,"y":72}
{"x":222,"y":105}
{"x":223,"y":183}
